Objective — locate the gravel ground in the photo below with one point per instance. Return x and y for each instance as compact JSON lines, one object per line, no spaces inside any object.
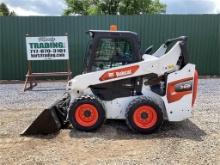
{"x":193,"y":141}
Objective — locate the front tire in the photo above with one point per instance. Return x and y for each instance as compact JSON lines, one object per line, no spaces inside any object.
{"x":144,"y":115}
{"x":86,"y":113}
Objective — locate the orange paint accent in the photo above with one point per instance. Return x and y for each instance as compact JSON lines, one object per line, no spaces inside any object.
{"x":150,"y":120}
{"x":127,"y":71}
{"x":172,"y":95}
{"x":195,"y":86}
{"x":113,"y":28}
{"x":86,"y":121}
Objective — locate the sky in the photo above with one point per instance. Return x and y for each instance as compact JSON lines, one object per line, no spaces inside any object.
{"x":56,"y":7}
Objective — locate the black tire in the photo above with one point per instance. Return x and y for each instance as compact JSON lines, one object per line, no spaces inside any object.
{"x":88,"y":100}
{"x":137,"y":103}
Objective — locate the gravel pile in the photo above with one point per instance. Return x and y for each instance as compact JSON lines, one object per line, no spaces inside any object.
{"x":193,"y":141}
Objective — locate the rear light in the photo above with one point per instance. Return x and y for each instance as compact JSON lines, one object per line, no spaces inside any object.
{"x":195,"y":86}
{"x":179,"y":88}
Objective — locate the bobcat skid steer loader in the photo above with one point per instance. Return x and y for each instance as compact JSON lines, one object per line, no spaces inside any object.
{"x":119,"y":82}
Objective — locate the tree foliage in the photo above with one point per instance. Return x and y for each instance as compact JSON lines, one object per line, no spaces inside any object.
{"x":4,"y":11}
{"x":113,"y":7}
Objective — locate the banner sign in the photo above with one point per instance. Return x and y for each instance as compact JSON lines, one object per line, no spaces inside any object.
{"x":47,"y":48}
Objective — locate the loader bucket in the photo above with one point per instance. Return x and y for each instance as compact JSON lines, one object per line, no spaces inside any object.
{"x":46,"y":123}
{"x":50,"y":120}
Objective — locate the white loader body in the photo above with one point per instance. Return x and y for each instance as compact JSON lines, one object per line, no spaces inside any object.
{"x":158,"y":63}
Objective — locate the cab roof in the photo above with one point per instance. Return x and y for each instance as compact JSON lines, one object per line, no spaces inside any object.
{"x":93,"y":33}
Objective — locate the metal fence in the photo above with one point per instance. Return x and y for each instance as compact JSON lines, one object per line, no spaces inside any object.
{"x":203,"y":32}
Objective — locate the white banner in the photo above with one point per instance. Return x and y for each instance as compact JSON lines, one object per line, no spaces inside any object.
{"x":47,"y":48}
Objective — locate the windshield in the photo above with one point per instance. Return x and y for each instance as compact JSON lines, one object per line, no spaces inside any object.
{"x":112,"y":52}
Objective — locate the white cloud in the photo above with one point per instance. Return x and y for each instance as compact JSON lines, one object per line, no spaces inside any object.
{"x":24,"y":12}
{"x":192,"y":6}
{"x":217,"y":6}
{"x":36,"y":7}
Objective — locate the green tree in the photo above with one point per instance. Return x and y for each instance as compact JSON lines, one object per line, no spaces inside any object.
{"x":4,"y":11}
{"x":113,"y":7}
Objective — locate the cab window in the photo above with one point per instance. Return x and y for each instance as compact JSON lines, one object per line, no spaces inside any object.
{"x":112,"y":52}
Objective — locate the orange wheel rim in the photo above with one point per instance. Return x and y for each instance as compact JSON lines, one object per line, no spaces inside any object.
{"x":145,"y":117}
{"x":86,"y":115}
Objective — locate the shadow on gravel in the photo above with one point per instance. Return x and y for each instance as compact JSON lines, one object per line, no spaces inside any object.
{"x":118,"y":130}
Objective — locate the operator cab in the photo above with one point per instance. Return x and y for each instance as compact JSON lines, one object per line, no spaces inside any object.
{"x":110,"y":49}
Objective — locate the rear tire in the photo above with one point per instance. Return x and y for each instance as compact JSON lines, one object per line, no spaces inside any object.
{"x":144,"y":115}
{"x":86,"y":113}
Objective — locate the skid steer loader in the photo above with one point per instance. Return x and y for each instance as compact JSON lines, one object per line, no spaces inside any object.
{"x":119,"y":82}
